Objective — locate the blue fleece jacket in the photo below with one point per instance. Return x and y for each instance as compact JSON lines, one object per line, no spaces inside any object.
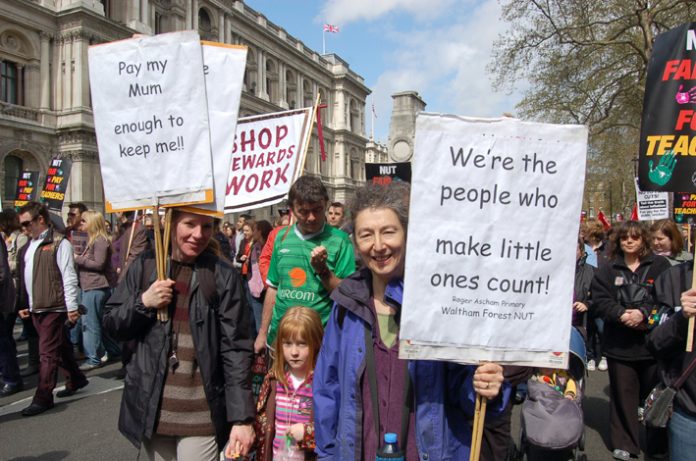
{"x":444,"y":395}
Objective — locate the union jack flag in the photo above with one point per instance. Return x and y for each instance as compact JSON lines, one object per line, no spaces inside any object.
{"x":330,"y":28}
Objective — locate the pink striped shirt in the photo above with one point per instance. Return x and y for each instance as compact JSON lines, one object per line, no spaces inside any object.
{"x":292,"y":406}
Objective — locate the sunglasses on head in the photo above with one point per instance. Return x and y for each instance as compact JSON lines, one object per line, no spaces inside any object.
{"x":27,"y":223}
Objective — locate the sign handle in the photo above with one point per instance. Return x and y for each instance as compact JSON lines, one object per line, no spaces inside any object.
{"x":690,"y":331}
{"x":477,"y":433}
{"x":161,"y":251}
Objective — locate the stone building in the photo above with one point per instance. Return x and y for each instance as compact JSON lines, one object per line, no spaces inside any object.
{"x":402,"y":128}
{"x":45,"y":101}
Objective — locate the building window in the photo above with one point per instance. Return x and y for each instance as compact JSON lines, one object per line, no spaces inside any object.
{"x":9,"y":82}
{"x":307,"y":93}
{"x":13,"y":169}
{"x":107,"y":8}
{"x":159,"y":23}
{"x":250,"y":72}
{"x":290,"y":89}
{"x":272,"y":81}
{"x":205,"y":25}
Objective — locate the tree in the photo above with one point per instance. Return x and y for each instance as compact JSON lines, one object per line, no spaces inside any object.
{"x":586,"y":62}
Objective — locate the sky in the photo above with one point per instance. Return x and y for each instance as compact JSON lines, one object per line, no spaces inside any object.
{"x":439,"y":48}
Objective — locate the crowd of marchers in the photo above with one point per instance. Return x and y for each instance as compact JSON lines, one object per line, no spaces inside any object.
{"x":280,"y":340}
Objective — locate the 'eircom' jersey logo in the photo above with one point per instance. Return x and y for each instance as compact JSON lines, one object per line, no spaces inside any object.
{"x":298,"y":277}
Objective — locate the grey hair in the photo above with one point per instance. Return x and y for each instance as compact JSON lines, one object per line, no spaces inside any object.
{"x":393,"y":196}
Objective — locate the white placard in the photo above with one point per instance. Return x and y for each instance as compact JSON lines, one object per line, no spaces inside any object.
{"x":492,"y":240}
{"x":224,"y":76}
{"x":267,"y":157}
{"x":652,"y":205}
{"x":151,"y":120}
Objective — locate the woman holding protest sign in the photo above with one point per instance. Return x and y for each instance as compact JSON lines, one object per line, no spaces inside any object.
{"x":413,"y":399}
{"x":97,"y":277}
{"x":189,"y":378}
{"x":667,"y":342}
{"x":623,"y":294}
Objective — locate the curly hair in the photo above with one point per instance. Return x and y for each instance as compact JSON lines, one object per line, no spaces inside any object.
{"x":635,"y":229}
{"x":394,"y":196}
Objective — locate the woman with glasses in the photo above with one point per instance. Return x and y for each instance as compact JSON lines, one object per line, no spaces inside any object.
{"x":624,"y":297}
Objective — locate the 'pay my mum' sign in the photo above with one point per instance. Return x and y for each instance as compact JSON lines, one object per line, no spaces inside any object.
{"x":151,"y":120}
{"x":494,"y":279}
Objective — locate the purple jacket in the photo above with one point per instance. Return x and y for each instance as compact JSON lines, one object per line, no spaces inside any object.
{"x":444,"y":395}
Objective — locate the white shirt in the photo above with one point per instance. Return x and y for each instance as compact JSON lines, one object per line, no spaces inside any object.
{"x":239,"y":236}
{"x":66,"y":265}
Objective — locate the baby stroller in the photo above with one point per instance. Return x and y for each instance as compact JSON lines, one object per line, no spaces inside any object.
{"x":553,"y":427}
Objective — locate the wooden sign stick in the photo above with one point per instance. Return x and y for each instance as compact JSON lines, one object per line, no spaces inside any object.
{"x":162,"y":314}
{"x":690,"y":331}
{"x":477,"y":432}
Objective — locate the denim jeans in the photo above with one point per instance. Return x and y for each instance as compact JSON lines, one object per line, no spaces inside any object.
{"x":682,"y":444}
{"x":75,"y":332}
{"x":256,"y":306}
{"x":94,"y":342}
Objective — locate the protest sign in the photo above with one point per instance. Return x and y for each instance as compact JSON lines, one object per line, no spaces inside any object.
{"x":26,"y":188}
{"x":224,"y":76}
{"x":685,"y":207}
{"x":267,"y":157}
{"x":652,"y":205}
{"x":668,"y":131}
{"x":494,"y":279}
{"x":79,"y":241}
{"x":151,"y":120}
{"x":385,"y":173}
{"x":53,"y":193}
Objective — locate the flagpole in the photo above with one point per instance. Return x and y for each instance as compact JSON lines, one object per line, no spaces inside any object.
{"x":323,"y":41}
{"x":372,"y":118}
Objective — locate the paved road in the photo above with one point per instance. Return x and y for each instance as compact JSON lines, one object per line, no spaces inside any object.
{"x":83,"y":427}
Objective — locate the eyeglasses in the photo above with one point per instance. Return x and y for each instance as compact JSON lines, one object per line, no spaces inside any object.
{"x":28,"y":223}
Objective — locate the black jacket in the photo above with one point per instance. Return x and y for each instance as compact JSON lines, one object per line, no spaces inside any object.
{"x":584,"y":273}
{"x":620,"y":341}
{"x":7,"y":288}
{"x":219,"y":320}
{"x":667,"y":341}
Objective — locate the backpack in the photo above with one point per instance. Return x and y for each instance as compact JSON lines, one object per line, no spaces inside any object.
{"x":638,"y":295}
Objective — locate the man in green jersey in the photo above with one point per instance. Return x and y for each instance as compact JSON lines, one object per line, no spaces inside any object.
{"x":310,"y":258}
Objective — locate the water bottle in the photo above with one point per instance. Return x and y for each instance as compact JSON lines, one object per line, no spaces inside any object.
{"x":390,"y":450}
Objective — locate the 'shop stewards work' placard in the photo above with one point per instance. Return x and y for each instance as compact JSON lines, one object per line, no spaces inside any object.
{"x":151,"y":120}
{"x":267,"y":157}
{"x":668,"y":131}
{"x":53,"y":193}
{"x":494,"y":279}
{"x":26,"y":187}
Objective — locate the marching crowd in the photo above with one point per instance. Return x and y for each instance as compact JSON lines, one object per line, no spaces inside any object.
{"x":281,"y":339}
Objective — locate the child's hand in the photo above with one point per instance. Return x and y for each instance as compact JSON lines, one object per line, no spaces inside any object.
{"x":570,"y":396}
{"x":296,"y":431}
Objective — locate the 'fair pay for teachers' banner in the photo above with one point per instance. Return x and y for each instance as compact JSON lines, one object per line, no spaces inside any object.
{"x":494,"y":280}
{"x":267,"y":156}
{"x":151,"y":120}
{"x":668,"y":131}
